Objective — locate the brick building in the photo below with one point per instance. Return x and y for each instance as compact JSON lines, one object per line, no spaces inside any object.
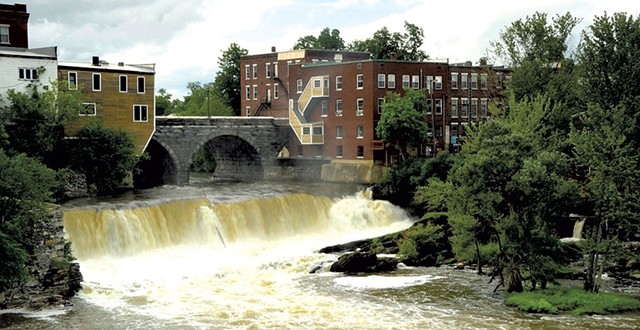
{"x":333,"y":99}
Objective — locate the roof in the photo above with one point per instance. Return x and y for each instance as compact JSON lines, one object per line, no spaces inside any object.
{"x":46,"y":52}
{"x":105,"y":66}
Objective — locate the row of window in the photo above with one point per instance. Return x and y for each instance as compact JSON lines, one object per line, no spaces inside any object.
{"x":463,"y":83}
{"x":359,"y":151}
{"x":140,"y":111}
{"x":465,"y":107}
{"x":253,"y":72}
{"x":29,"y":74}
{"x":96,"y":82}
{"x":253,"y":91}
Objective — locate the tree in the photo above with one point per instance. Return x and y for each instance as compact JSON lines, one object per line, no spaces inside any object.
{"x":25,"y":185}
{"x":37,"y":120}
{"x":384,"y":44}
{"x":608,"y":57}
{"x":402,"y":125}
{"x":509,"y":189}
{"x":164,"y":104}
{"x":104,"y":155}
{"x":327,"y":39}
{"x":227,"y":81}
{"x":536,"y":50}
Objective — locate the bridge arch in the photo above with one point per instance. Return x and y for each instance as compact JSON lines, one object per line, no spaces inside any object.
{"x":244,"y":148}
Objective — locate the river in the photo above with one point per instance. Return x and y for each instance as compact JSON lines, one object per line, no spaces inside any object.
{"x":239,"y":255}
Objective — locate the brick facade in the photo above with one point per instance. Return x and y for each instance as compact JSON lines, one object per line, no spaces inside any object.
{"x":359,"y":84}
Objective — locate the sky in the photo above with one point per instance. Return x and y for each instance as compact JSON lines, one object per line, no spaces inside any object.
{"x":185,"y":38}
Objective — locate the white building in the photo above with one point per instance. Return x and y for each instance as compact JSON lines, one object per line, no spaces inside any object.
{"x":20,"y":67}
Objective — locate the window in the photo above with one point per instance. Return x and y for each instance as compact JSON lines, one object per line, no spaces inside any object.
{"x":392,"y":81}
{"x":338,"y":107}
{"x":30,"y":74}
{"x":306,"y":130}
{"x":255,"y":71}
{"x":474,"y":108}
{"x":483,"y":107}
{"x":438,"y":106}
{"x":73,"y":80}
{"x":438,"y":83}
{"x":380,"y":103}
{"x":325,"y":108}
{"x":255,"y":92}
{"x":454,"y":131}
{"x":316,"y":83}
{"x":248,"y":111}
{"x":464,"y":108}
{"x":141,"y":88}
{"x":360,"y":152}
{"x":4,"y":34}
{"x":428,"y":83}
{"x":360,"y":132}
{"x":338,"y":83}
{"x":96,"y":82}
{"x":360,"y":107}
{"x":338,"y":151}
{"x":299,"y":86}
{"x":88,"y":109}
{"x":405,"y":81}
{"x":275,"y":91}
{"x":499,"y":80}
{"x":415,"y":82}
{"x":454,"y":80}
{"x":429,"y":106}
{"x":474,"y":81}
{"x":247,"y":92}
{"x":268,"y":69}
{"x":275,"y":69}
{"x":338,"y":132}
{"x":429,"y":130}
{"x":381,"y":80}
{"x":463,"y":81}
{"x":140,"y":113}
{"x":123,"y":84}
{"x":247,"y":73}
{"x":317,"y":130}
{"x":359,"y":81}
{"x":439,"y":131}
{"x":454,"y":107}
{"x":484,"y":81}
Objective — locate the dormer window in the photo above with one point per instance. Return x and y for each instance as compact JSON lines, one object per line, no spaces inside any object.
{"x":4,"y":34}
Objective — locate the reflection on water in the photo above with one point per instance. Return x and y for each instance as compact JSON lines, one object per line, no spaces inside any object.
{"x":238,"y":256}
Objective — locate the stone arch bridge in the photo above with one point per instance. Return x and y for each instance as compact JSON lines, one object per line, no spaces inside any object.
{"x":244,"y":148}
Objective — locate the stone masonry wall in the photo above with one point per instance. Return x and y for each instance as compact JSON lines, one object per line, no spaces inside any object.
{"x":52,"y":279}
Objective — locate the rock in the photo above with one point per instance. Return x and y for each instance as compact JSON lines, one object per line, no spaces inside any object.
{"x":459,"y":265}
{"x":363,"y":262}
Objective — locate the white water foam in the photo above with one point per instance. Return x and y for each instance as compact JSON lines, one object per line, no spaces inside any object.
{"x":384,"y":282}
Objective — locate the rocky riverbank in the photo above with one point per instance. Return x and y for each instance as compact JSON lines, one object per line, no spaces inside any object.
{"x":52,"y":276}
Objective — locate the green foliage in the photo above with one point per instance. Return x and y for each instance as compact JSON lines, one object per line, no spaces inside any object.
{"x":327,"y":39}
{"x":405,"y":46}
{"x":227,"y":97}
{"x":402,"y":125}
{"x":204,"y":161}
{"x":573,"y":301}
{"x":25,"y":185}
{"x":203,"y":100}
{"x":424,"y":245}
{"x":105,"y":156}
{"x":397,"y":184}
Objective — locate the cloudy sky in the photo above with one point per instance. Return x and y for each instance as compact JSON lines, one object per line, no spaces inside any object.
{"x":185,"y":38}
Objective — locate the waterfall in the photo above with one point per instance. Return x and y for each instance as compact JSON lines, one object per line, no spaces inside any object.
{"x":133,"y":229}
{"x":577,"y":228}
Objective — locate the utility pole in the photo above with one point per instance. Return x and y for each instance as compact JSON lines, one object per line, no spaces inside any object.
{"x":208,"y":104}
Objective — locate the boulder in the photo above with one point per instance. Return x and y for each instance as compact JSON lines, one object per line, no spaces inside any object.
{"x":363,"y":262}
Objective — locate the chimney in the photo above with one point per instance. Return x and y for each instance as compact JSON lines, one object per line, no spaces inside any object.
{"x":273,"y":49}
{"x":120,"y":63}
{"x":96,"y":60}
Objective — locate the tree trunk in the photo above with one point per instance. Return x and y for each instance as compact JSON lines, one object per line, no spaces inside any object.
{"x":475,"y":240}
{"x":515,"y":281}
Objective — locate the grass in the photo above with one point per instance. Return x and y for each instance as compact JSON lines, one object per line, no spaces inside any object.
{"x":572,"y":300}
